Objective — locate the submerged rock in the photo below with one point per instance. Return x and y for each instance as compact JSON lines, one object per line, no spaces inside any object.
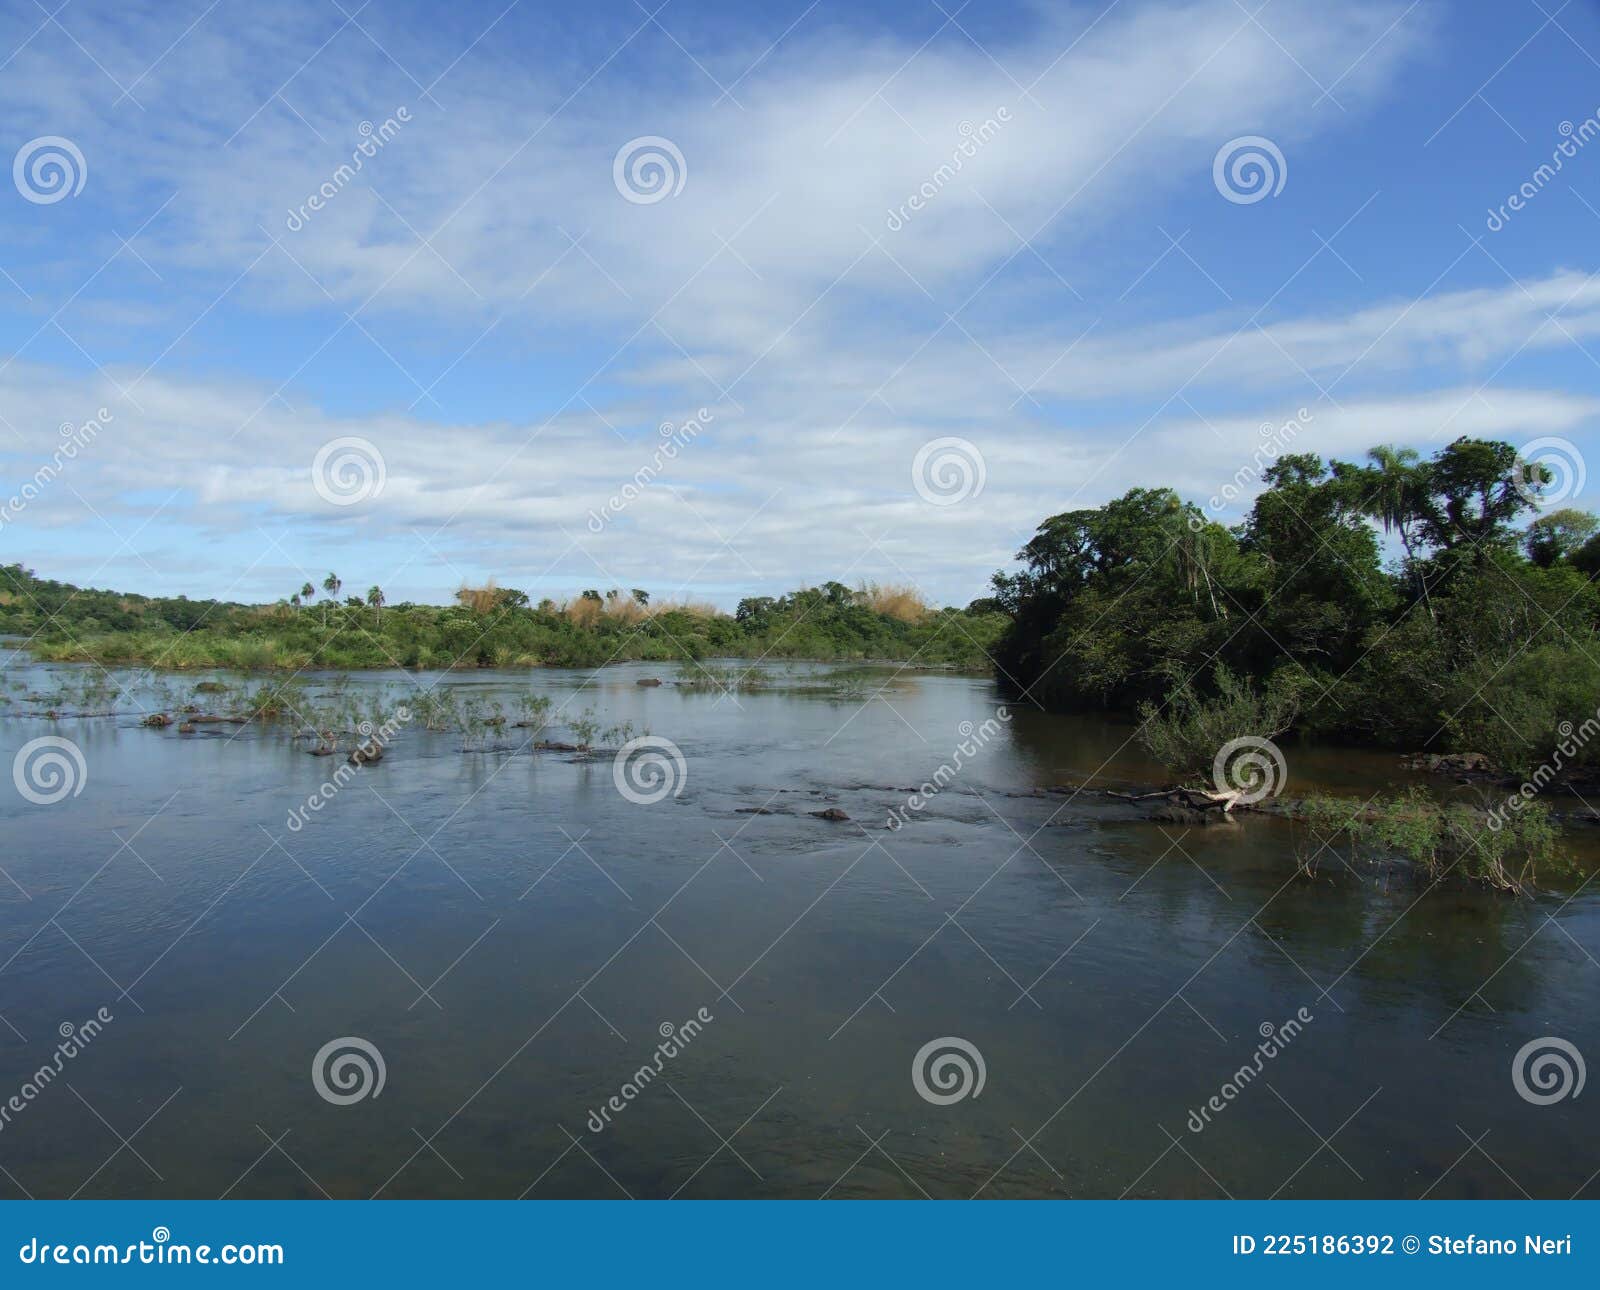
{"x":649,"y":680}
{"x":366,"y":754}
{"x":1449,"y":763}
{"x":157,"y":720}
{"x":186,"y":727}
{"x":832,"y":813}
{"x":1188,"y":816}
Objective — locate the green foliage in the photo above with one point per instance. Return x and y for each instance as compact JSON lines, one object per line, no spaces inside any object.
{"x":1186,"y":732}
{"x":1558,"y":536}
{"x":1439,"y":838}
{"x":67,"y":623}
{"x":1463,"y":643}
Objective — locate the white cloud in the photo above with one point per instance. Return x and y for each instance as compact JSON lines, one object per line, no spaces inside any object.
{"x":828,"y":347}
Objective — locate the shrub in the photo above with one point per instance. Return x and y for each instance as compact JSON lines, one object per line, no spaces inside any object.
{"x":1440,"y":838}
{"x":1188,"y":734}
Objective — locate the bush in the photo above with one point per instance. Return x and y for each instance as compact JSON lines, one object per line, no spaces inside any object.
{"x":1440,"y":838}
{"x":1188,"y":734}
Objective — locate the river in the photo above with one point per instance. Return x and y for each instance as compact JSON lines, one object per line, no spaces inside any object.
{"x":511,"y":939}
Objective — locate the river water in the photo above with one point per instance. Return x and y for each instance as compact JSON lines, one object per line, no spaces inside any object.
{"x":512,"y":936}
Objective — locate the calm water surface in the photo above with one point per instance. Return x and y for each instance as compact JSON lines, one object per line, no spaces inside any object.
{"x":512,"y":934}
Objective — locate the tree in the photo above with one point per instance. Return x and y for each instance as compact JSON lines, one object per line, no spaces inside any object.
{"x":1323,"y":581}
{"x":308,"y":593}
{"x":375,"y":599}
{"x":590,"y":594}
{"x":1558,"y":536}
{"x":1112,"y":599}
{"x":331,"y":585}
{"x":1471,"y":495}
{"x":641,"y":596}
{"x":1394,"y":486}
{"x":754,"y":611}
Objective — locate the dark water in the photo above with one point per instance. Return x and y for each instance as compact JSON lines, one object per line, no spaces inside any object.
{"x":510,"y":933}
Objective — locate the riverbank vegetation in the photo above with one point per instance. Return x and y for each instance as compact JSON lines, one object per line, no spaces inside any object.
{"x":1436,"y":839}
{"x":1477,"y":632}
{"x":487,"y":626}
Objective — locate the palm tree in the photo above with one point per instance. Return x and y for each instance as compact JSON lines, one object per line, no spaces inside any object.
{"x":308,"y":593}
{"x":375,"y":599}
{"x":331,"y":585}
{"x":1393,"y":502}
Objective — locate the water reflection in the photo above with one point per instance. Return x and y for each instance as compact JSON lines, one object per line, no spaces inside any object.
{"x":510,"y":933}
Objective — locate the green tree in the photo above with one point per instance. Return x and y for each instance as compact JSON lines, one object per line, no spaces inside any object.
{"x":1557,"y":536}
{"x":1322,"y":582}
{"x":1471,"y":496}
{"x":331,"y":585}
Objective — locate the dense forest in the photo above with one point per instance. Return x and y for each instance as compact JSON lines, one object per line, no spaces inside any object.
{"x":1479,"y":631}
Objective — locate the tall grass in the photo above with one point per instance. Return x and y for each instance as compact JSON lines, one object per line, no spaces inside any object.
{"x":901,"y":601}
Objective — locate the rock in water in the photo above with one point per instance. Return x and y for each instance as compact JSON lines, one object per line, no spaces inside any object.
{"x":649,"y":680}
{"x":832,"y":813}
{"x":366,"y":754}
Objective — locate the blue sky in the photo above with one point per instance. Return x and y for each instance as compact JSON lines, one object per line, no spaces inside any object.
{"x":482,"y":307}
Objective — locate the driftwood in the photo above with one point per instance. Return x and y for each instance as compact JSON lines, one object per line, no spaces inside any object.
{"x":1196,"y":799}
